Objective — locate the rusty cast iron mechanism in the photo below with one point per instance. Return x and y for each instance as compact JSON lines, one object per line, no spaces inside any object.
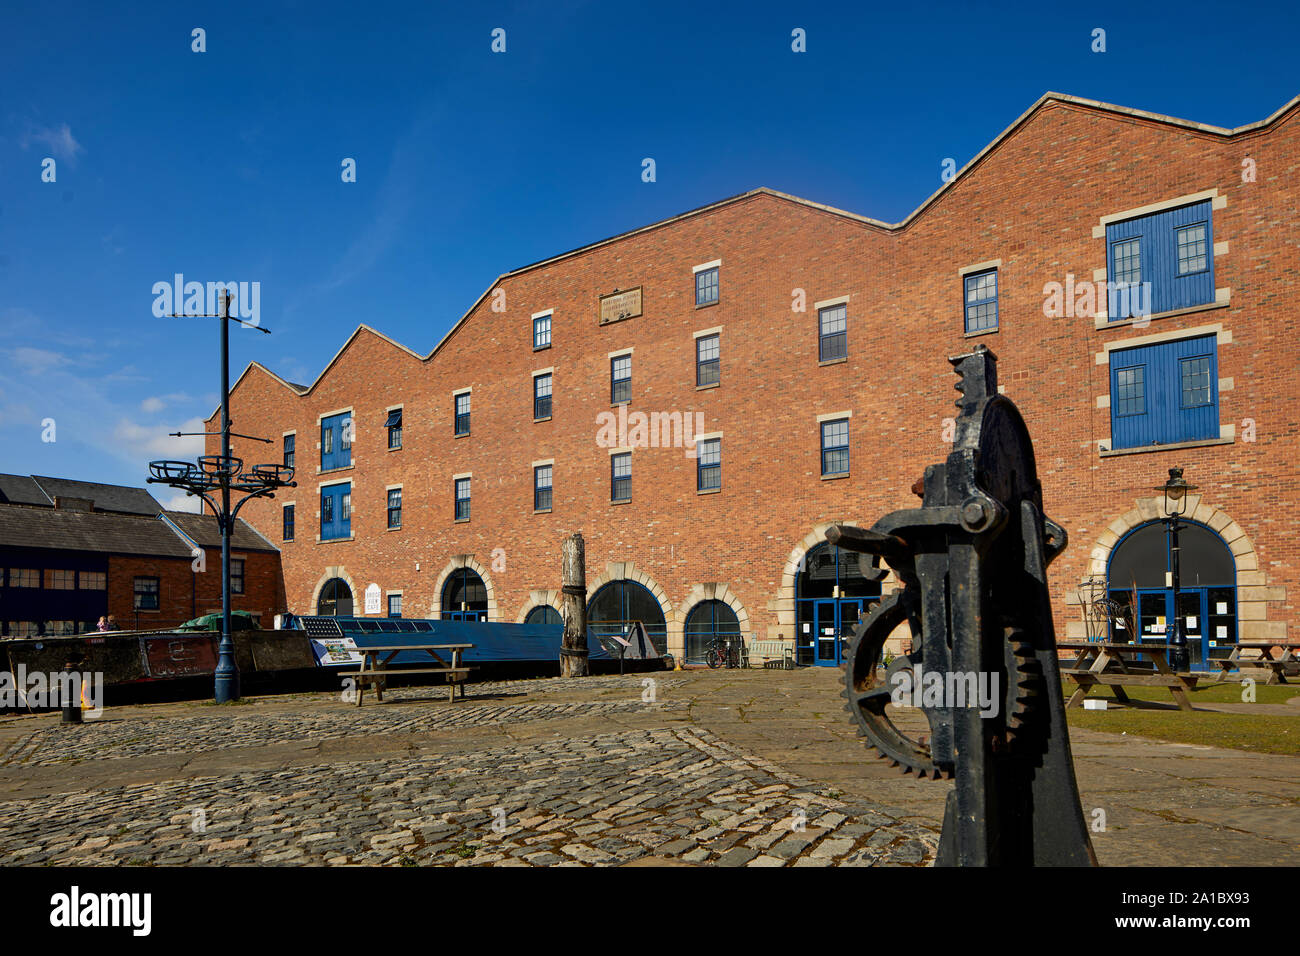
{"x":972,"y":561}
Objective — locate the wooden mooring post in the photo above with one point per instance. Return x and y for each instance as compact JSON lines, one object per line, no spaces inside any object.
{"x":573,"y":608}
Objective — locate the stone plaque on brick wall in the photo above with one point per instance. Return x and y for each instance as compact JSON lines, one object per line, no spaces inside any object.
{"x":620,"y":305}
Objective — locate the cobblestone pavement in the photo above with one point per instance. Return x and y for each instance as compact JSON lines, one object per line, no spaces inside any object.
{"x":57,"y":744}
{"x":727,"y":768}
{"x":602,"y":799}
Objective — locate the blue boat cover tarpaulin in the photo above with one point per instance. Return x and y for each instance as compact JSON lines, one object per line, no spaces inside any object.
{"x":492,"y":642}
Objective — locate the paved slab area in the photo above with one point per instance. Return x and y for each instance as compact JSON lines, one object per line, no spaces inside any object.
{"x":728,"y":768}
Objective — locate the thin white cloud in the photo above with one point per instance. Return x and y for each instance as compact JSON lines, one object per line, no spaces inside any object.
{"x":57,"y":139}
{"x":180,"y":501}
{"x":38,"y":361}
{"x":153,"y":441}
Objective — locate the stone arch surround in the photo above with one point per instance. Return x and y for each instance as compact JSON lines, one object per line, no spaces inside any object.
{"x":457,"y":562}
{"x":336,"y":571}
{"x":1253,"y":591}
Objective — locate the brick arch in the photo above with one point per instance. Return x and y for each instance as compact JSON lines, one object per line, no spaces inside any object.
{"x":457,"y":562}
{"x":714,"y":592}
{"x":1253,"y":597}
{"x":628,"y":571}
{"x":783,"y":603}
{"x":336,"y":571}
{"x":536,"y":598}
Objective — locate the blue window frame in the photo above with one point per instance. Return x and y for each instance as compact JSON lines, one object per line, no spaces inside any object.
{"x":835,"y":447}
{"x":709,"y":465}
{"x":982,"y":301}
{"x":1166,"y":393}
{"x":1161,"y":263}
{"x":708,"y":360}
{"x":542,"y":385}
{"x":462,"y":413}
{"x":336,"y":511}
{"x":542,"y":477}
{"x":394,"y":605}
{"x":462,"y":499}
{"x":394,"y":507}
{"x":1195,"y":379}
{"x":1193,"y":250}
{"x":1130,"y":391}
{"x":542,"y":332}
{"x":620,"y":486}
{"x":288,"y":523}
{"x":289,"y":442}
{"x":336,"y":441}
{"x":706,"y":286}
{"x":620,"y":379}
{"x":833,"y":334}
{"x":394,"y":426}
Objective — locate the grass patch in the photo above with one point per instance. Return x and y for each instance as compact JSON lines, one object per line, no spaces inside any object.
{"x":1260,"y":733}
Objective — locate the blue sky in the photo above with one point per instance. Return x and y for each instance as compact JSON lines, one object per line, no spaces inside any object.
{"x":225,"y":165}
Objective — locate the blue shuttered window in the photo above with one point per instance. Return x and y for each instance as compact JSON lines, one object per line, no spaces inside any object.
{"x":336,"y":511}
{"x":336,"y":441}
{"x":1161,"y":263}
{"x":1166,"y":393}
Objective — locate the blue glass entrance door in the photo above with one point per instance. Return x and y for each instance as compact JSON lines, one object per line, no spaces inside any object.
{"x":1208,"y":619}
{"x":833,"y":624}
{"x":825,"y":634}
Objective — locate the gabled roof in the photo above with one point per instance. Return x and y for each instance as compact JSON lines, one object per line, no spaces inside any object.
{"x":1043,"y":101}
{"x":119,"y":498}
{"x":41,"y":491}
{"x":23,"y":526}
{"x":203,"y":531}
{"x":22,"y":490}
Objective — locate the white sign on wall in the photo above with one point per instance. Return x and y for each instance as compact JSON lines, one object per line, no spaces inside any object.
{"x":373,"y":596}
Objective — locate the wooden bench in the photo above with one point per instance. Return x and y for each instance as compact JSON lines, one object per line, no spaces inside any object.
{"x":378,"y":673}
{"x":1108,"y":664}
{"x":1277,"y":666}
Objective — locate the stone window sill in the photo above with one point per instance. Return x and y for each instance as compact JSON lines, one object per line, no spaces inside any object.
{"x":1203,"y":443}
{"x":837,"y":361}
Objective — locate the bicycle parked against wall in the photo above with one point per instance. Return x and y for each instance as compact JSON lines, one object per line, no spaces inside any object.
{"x":722,"y":653}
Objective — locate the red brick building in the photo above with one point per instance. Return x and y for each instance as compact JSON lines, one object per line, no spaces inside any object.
{"x":805,"y":349}
{"x":74,"y":551}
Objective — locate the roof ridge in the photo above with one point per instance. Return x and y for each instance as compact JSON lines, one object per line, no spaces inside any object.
{"x":1038,"y":105}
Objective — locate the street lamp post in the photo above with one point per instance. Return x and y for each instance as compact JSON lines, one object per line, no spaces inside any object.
{"x":1176,"y":491}
{"x":224,"y":473}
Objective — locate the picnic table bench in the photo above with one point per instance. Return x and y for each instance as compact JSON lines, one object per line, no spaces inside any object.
{"x":377,"y":673}
{"x":1278,"y":666}
{"x":1114,"y":665}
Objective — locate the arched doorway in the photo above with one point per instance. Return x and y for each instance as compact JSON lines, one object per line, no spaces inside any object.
{"x":832,"y":591}
{"x":335,"y":599}
{"x":464,"y":596}
{"x":707,"y":622}
{"x":1207,"y":590}
{"x":543,"y":614}
{"x":618,"y":603}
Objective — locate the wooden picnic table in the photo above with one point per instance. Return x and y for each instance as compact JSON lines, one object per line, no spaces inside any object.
{"x":1114,"y":665}
{"x":1276,"y":665}
{"x":378,"y":671}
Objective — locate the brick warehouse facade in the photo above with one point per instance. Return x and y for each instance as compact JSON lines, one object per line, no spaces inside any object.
{"x":1047,"y":202}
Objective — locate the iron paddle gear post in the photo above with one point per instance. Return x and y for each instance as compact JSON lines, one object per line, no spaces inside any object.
{"x":972,"y":561}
